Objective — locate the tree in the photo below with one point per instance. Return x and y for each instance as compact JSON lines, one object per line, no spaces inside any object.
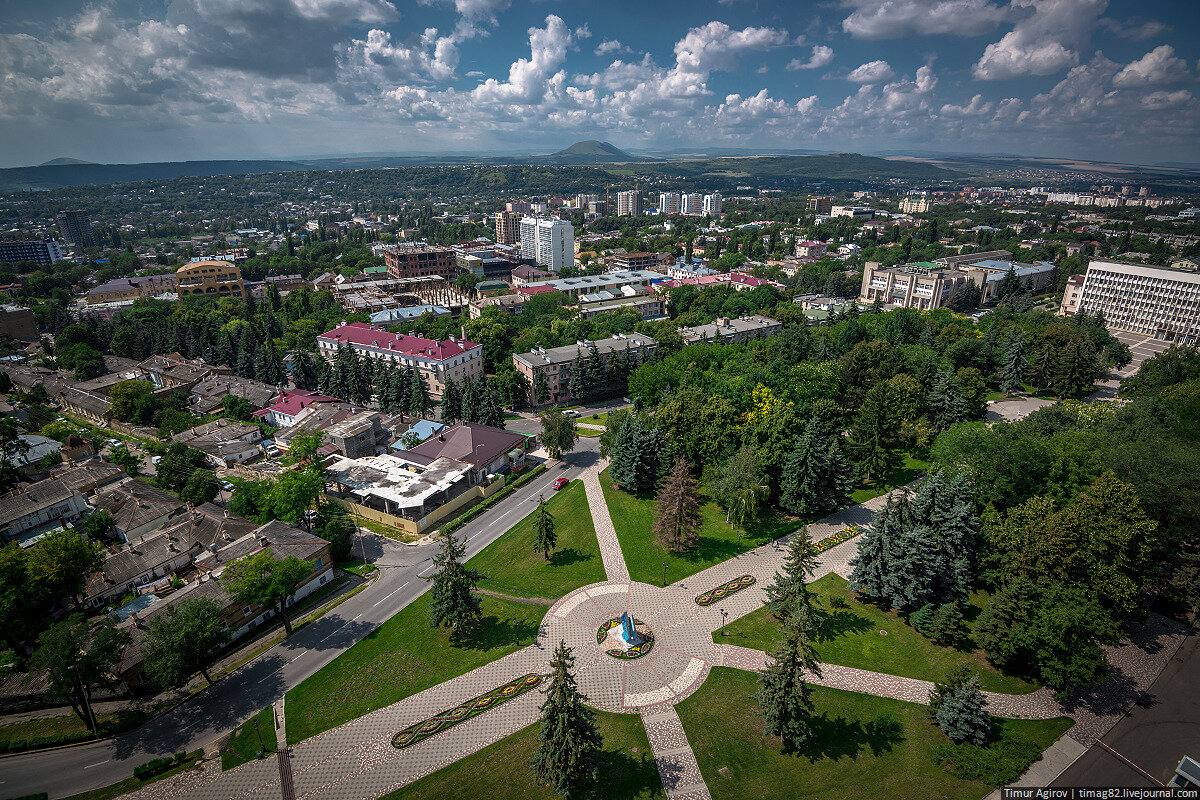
{"x":816,"y":478}
{"x":451,"y":403}
{"x":267,"y":581}
{"x":21,"y":615}
{"x":945,"y":403}
{"x":62,"y":561}
{"x":418,"y":394}
{"x":640,"y":452}
{"x":79,"y":659}
{"x":784,"y":698}
{"x":948,"y":626}
{"x":305,"y":373}
{"x":677,"y":517}
{"x":183,"y":640}
{"x":963,"y":716}
{"x":577,"y":383}
{"x":295,"y":492}
{"x":201,"y":487}
{"x":453,"y":601}
{"x":544,"y":535}
{"x":875,"y":435}
{"x":1016,"y":362}
{"x":337,"y":528}
{"x":558,"y":433}
{"x":490,"y":412}
{"x":791,"y":586}
{"x":948,"y":686}
{"x":568,"y":742}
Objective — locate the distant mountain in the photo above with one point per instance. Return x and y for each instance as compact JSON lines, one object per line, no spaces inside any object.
{"x":61,"y":162}
{"x":57,"y":175}
{"x":589,"y":152}
{"x":841,"y":166}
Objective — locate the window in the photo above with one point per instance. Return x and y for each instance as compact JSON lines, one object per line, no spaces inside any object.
{"x":246,"y":611}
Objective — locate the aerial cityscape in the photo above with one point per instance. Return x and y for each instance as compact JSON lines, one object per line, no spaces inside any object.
{"x":528,"y":400}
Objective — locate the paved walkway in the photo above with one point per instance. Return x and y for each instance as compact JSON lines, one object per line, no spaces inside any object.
{"x":673,"y":754}
{"x":610,"y":548}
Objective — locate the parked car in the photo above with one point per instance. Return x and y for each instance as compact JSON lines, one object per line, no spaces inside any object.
{"x":560,"y":483}
{"x":115,"y":443}
{"x":227,"y":486}
{"x":570,"y":412}
{"x":155,"y":460}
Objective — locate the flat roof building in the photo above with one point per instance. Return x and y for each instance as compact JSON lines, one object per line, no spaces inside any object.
{"x":1152,"y":301}
{"x":553,"y":364}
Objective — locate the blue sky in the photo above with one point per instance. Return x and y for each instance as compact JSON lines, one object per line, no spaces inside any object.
{"x":186,"y":79}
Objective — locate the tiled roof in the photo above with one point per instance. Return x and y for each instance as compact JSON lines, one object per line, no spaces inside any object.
{"x":134,"y":503}
{"x":365,"y":335}
{"x":470,"y":443}
{"x":21,"y":503}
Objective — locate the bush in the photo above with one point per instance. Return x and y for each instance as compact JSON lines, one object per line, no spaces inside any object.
{"x":153,"y":767}
{"x":998,"y":764}
{"x":948,"y":627}
{"x":921,"y":619}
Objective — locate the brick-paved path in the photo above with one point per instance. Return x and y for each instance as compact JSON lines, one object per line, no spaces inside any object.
{"x":673,"y":754}
{"x":610,"y":548}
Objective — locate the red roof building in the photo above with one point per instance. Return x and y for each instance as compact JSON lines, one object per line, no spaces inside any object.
{"x":291,"y":403}
{"x":436,"y":361}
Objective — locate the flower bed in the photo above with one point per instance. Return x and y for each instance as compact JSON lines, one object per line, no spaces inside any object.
{"x":460,"y":713}
{"x":634,"y":652}
{"x":841,"y":536}
{"x":724,"y":590}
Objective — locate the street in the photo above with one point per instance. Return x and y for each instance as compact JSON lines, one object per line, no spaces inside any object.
{"x":233,"y":700}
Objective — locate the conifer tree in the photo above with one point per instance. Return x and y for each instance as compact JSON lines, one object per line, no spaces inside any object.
{"x":269,"y":368}
{"x":544,"y":535}
{"x":798,"y":484}
{"x":963,"y":715}
{"x":247,"y":352}
{"x":401,"y":389}
{"x":677,"y":517}
{"x":836,"y":481}
{"x":418,"y":394}
{"x":1041,"y":368}
{"x":490,"y":412}
{"x":871,"y":564}
{"x":568,"y":742}
{"x":577,"y":383}
{"x":791,"y":585}
{"x":946,"y":404}
{"x":597,"y":377}
{"x":452,"y":600}
{"x":875,"y":434}
{"x":784,"y":698}
{"x":305,"y":373}
{"x":451,"y":403}
{"x":1016,"y":362}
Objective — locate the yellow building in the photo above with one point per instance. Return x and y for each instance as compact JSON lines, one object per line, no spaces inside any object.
{"x":210,"y":279}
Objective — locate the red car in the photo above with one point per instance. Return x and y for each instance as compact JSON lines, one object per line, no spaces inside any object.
{"x":560,"y":483}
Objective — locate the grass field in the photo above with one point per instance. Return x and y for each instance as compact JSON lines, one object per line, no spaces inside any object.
{"x":500,"y":771}
{"x":600,"y":419}
{"x":909,"y":471}
{"x":245,"y":743}
{"x":70,"y":724}
{"x":514,"y":568}
{"x":131,"y":784}
{"x":400,"y":658}
{"x":632,"y":516}
{"x":850,"y":637}
{"x":865,"y":747}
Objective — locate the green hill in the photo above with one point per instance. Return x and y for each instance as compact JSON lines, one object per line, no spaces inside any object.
{"x":842,"y":166}
{"x":590,"y":152}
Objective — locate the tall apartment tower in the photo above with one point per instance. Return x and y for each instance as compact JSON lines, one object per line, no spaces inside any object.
{"x":508,"y":227}
{"x":550,"y":242}
{"x":76,"y":228}
{"x":712,"y":204}
{"x":669,"y":202}
{"x":692,"y":204}
{"x":629,"y":204}
{"x":584,"y":200}
{"x":518,"y":207}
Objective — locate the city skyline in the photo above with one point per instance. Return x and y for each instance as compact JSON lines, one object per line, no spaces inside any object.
{"x":123,"y":82}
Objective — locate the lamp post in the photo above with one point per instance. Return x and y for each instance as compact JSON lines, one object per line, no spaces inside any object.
{"x":262,"y":746}
{"x":517,"y":629}
{"x":724,"y":616}
{"x":664,"y":575}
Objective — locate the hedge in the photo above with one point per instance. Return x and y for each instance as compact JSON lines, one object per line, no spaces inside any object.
{"x":157,"y":765}
{"x":476,"y":510}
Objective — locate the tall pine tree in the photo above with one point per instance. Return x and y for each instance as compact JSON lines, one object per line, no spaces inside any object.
{"x":1016,"y":362}
{"x":451,"y":403}
{"x":568,"y":742}
{"x":945,"y":402}
{"x":677,"y":517}
{"x":453,"y":602}
{"x":544,"y":534}
{"x":784,"y":698}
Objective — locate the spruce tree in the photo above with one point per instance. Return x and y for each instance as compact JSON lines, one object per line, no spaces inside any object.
{"x":490,"y":412}
{"x":799,"y":482}
{"x":963,"y":715}
{"x":945,"y":403}
{"x":871,"y":564}
{"x":568,"y":742}
{"x":1041,"y":368}
{"x":544,"y":535}
{"x":947,"y":626}
{"x":875,"y":435}
{"x":304,"y":374}
{"x":597,"y":376}
{"x":621,"y":469}
{"x":451,"y":403}
{"x":1016,"y":362}
{"x":418,"y":394}
{"x":791,"y":585}
{"x":247,"y":352}
{"x":401,"y":389}
{"x":784,"y":698}
{"x":577,"y":383}
{"x":836,"y":481}
{"x":469,"y":404}
{"x":677,"y":517}
{"x":452,"y":600}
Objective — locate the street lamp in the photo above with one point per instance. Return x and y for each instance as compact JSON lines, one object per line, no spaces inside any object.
{"x":724,"y":616}
{"x":517,"y":629}
{"x":664,"y":574}
{"x":262,"y":747}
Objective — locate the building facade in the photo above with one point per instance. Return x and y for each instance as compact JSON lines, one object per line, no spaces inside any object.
{"x":713,"y":203}
{"x":629,"y":204}
{"x":419,"y":261}
{"x":435,"y":361}
{"x":17,"y":322}
{"x":915,"y":205}
{"x":549,"y":369}
{"x":692,"y":204}
{"x":1154,"y":301}
{"x":732,"y":331}
{"x":508,"y":227}
{"x":76,"y":228}
{"x":550,"y":242}
{"x":42,"y":252}
{"x":210,"y":279}
{"x":669,"y":202}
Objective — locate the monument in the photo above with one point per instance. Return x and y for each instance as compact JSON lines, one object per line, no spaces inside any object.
{"x":625,"y":637}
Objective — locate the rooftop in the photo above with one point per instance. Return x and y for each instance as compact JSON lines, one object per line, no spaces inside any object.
{"x":366,"y":335}
{"x":471,"y":443}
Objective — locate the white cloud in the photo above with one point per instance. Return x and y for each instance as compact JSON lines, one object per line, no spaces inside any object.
{"x":1045,"y":42}
{"x":1159,"y":67}
{"x":610,"y":46}
{"x":977,"y":107}
{"x":890,"y":19}
{"x":1137,"y":28}
{"x":583,"y":32}
{"x":529,"y":79}
{"x":717,"y":46}
{"x":821,"y":55}
{"x":872,"y":72}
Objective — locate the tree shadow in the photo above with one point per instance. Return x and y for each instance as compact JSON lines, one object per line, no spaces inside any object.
{"x":841,"y":622}
{"x":571,"y":555}
{"x":492,"y":632}
{"x":626,"y":775}
{"x":1103,"y":699}
{"x":837,"y":738}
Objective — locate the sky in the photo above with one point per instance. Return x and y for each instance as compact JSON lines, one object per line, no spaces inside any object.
{"x":147,"y":80}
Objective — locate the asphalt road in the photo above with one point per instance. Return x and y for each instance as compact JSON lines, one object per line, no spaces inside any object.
{"x":238,"y":697}
{"x":1158,"y":731}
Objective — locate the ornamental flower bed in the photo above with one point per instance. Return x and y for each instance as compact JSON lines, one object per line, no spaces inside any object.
{"x":724,"y":590}
{"x":460,"y":713}
{"x":841,"y":536}
{"x":634,"y":652}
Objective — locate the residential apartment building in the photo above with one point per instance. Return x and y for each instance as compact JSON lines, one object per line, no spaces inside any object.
{"x":649,"y":306}
{"x":692,"y":204}
{"x":18,"y":322}
{"x":713,"y":204}
{"x":1071,"y":296}
{"x":42,"y":505}
{"x":76,"y":228}
{"x":419,"y":261}
{"x":669,"y":202}
{"x":852,"y":212}
{"x":42,"y":252}
{"x":732,"y":331}
{"x":818,"y":205}
{"x":808,"y":249}
{"x":1154,"y":301}
{"x":915,"y":204}
{"x":587,"y":284}
{"x":631,"y":261}
{"x":549,"y":241}
{"x":508,"y":227}
{"x":210,"y":279}
{"x":629,"y":204}
{"x":553,"y":364}
{"x":435,"y":361}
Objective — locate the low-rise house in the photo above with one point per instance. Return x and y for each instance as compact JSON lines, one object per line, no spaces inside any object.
{"x":207,"y":394}
{"x":37,"y":448}
{"x":89,"y":477}
{"x":76,"y":449}
{"x":488,"y":450}
{"x":42,"y":505}
{"x":732,"y":331}
{"x":173,"y":371}
{"x":137,"y":509}
{"x":416,"y":433}
{"x":282,"y":413}
{"x":551,"y":366}
{"x":405,"y":490}
{"x":94,"y":408}
{"x":648,"y":306}
{"x":224,"y":442}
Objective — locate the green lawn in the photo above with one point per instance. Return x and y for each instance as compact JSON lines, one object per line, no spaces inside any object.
{"x":850,"y":637}
{"x":909,"y":471}
{"x":600,"y":419}
{"x":245,"y":744}
{"x":402,"y":657}
{"x":70,"y":724}
{"x":853,"y":755}
{"x":131,"y":784}
{"x":500,"y":771}
{"x":513,"y":567}
{"x":632,"y":516}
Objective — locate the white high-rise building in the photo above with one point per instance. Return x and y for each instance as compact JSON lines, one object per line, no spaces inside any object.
{"x":692,"y":204}
{"x":548,"y":241}
{"x":669,"y":202}
{"x":629,"y":204}
{"x":712,"y":203}
{"x":1162,"y":302}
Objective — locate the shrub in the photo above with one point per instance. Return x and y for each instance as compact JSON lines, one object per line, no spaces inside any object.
{"x":153,"y":767}
{"x":921,"y":619}
{"x":948,"y":627}
{"x":998,"y":764}
{"x":963,"y":715}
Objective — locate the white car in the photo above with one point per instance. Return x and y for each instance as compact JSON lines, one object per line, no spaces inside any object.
{"x":227,"y":486}
{"x":115,"y":443}
{"x":156,"y":459}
